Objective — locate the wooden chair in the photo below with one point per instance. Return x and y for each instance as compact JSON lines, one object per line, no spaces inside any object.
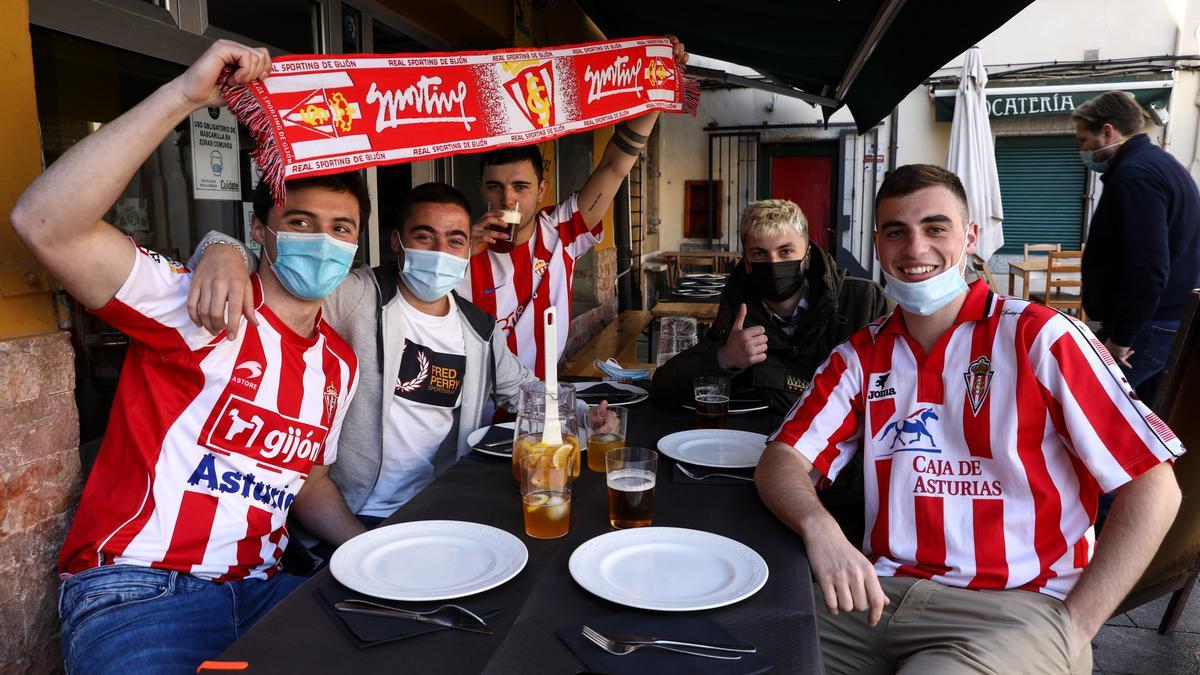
{"x":1175,"y":566}
{"x":1035,"y":252}
{"x":980,"y":266}
{"x":1063,"y":285}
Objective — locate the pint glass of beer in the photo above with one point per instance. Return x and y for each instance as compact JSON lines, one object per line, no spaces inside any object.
{"x":605,"y":432}
{"x":712,"y":402}
{"x":630,"y":473}
{"x":512,"y":219}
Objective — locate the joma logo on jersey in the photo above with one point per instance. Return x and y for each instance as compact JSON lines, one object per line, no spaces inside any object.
{"x":880,"y":390}
{"x":264,"y":435}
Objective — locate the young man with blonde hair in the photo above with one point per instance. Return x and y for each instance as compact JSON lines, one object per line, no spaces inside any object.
{"x":784,"y":308}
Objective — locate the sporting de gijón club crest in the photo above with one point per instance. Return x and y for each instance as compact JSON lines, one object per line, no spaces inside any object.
{"x":979,"y":380}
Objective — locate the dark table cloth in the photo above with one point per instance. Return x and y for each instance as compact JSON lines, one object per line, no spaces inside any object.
{"x":298,"y":637}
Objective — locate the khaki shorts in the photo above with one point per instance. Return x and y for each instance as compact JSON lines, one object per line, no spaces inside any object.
{"x":930,"y":629}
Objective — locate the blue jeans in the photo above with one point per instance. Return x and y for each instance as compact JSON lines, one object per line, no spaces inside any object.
{"x":132,"y":620}
{"x":1151,"y":347}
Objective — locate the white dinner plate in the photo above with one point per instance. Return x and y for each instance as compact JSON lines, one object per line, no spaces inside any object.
{"x":706,"y":277}
{"x":696,"y":293}
{"x":428,"y":560}
{"x":715,"y":448}
{"x":498,"y":451}
{"x":702,"y":284}
{"x":668,"y":569}
{"x":639,"y":393}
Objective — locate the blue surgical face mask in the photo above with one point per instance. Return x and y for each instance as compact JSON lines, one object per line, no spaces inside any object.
{"x":1088,"y":157}
{"x":310,"y":264}
{"x":430,"y":275}
{"x":928,"y":296}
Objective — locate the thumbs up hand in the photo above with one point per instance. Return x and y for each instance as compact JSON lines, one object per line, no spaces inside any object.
{"x":745,"y":346}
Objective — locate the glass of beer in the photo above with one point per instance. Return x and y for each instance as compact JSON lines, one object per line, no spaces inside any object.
{"x":605,"y":432}
{"x":631,"y":476}
{"x":512,"y":219}
{"x":712,"y":402}
{"x":546,"y":493}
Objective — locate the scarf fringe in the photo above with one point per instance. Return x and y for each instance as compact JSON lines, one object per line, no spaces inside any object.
{"x":691,"y":95}
{"x":246,"y":108}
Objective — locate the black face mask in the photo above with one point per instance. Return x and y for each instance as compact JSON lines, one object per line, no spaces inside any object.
{"x":777,"y":281}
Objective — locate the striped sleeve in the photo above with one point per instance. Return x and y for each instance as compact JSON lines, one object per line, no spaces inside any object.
{"x":574,"y":234}
{"x":825,"y":425}
{"x":151,"y":306}
{"x":1093,"y":407}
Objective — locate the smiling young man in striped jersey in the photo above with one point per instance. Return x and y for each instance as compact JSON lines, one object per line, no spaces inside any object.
{"x":988,"y":426}
{"x":175,"y":547}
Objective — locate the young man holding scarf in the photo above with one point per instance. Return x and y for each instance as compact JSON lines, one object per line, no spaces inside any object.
{"x":174,"y":549}
{"x":783,"y":310}
{"x":430,"y":360}
{"x":988,"y":427}
{"x":517,"y":280}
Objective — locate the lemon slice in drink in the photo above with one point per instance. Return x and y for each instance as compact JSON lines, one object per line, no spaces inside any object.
{"x":537,"y":499}
{"x":562,"y":454}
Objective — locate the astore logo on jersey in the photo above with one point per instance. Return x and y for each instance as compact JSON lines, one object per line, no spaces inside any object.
{"x":264,"y":435}
{"x":247,"y":373}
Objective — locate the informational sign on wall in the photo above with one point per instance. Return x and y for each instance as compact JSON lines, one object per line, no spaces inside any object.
{"x":216,"y":160}
{"x":248,"y":222}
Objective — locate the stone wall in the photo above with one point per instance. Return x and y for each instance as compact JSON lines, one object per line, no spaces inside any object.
{"x":585,"y":326}
{"x":39,"y":489}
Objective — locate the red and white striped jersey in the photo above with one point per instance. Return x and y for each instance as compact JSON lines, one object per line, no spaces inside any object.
{"x":519,"y":286}
{"x":983,"y":460}
{"x":209,"y":441}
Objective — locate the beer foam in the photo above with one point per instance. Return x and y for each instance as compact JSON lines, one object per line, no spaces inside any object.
{"x":631,"y":480}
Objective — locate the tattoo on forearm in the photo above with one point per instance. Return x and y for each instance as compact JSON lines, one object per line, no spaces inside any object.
{"x":595,"y":201}
{"x":623,"y":145}
{"x":634,"y":136}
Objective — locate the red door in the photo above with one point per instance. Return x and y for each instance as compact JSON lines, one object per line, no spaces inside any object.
{"x":805,"y":180}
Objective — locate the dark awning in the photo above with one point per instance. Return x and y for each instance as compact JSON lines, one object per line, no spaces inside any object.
{"x":864,"y":54}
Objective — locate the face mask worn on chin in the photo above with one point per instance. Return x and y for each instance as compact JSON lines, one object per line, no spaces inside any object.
{"x":310,"y":264}
{"x":1088,"y":157}
{"x":777,"y":281}
{"x":928,"y":296}
{"x":430,"y":275}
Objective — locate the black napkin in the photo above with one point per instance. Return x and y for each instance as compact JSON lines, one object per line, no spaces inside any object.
{"x":605,"y":391}
{"x":653,"y":660}
{"x":368,"y":631}
{"x":678,"y":476}
{"x":495,"y":434}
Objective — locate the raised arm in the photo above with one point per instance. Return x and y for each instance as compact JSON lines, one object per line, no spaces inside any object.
{"x":846,"y":578}
{"x":59,"y":216}
{"x":622,"y":150}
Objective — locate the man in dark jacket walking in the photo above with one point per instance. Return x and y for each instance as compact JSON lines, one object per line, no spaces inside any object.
{"x":1143,"y":250}
{"x":784,"y":309}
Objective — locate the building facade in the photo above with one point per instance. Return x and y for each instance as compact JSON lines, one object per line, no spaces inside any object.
{"x":747,"y":144}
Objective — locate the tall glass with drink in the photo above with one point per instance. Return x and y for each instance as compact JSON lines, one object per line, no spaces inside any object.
{"x":630,"y":473}
{"x":712,"y":402}
{"x":546,"y":493}
{"x":512,"y":220}
{"x":605,"y":432}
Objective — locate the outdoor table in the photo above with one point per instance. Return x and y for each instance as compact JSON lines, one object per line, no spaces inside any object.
{"x":299,"y":637}
{"x":1024,"y":268}
{"x":719,"y":259}
{"x":704,"y":310}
